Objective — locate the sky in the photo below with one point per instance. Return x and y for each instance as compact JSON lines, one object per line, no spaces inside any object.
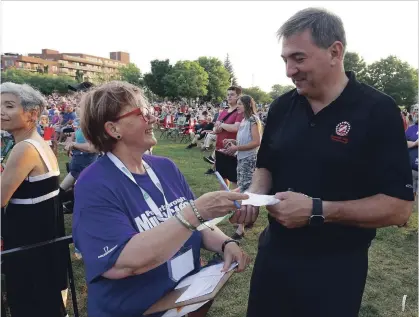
{"x":246,"y":30}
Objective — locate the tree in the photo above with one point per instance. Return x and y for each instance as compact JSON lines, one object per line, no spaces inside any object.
{"x":155,"y":79}
{"x":258,"y":95}
{"x":186,"y":79}
{"x":79,"y":76}
{"x":218,"y":78}
{"x":353,"y":62}
{"x":278,"y":90}
{"x":395,"y":78}
{"x":229,"y":66}
{"x":101,"y":78}
{"x":132,"y":74}
{"x":45,"y":83}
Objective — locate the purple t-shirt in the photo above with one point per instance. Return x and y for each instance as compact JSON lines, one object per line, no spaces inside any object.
{"x":412,"y":133}
{"x":109,"y":210}
{"x":67,"y":116}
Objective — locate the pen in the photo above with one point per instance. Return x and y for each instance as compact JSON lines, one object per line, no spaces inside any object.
{"x":222,"y":182}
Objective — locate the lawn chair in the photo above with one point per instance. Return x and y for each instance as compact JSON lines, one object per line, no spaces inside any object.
{"x":166,"y":126}
{"x":12,"y":252}
{"x":176,"y":131}
{"x":186,"y":133}
{"x":49,"y":137}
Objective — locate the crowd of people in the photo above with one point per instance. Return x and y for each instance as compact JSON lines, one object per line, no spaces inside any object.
{"x":135,"y":218}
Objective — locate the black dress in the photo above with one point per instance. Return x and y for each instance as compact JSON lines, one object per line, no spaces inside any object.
{"x":34,"y":280}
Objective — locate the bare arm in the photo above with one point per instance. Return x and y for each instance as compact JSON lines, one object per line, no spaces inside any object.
{"x":213,"y":240}
{"x":255,"y":140}
{"x":150,"y":249}
{"x":156,"y":246}
{"x":85,"y":147}
{"x":20,"y":163}
{"x":261,"y":182}
{"x":372,"y":212}
{"x":234,"y":127}
{"x":411,"y":144}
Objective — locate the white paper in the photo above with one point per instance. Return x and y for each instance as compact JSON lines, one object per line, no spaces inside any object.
{"x":181,"y":265}
{"x":211,"y":223}
{"x":186,"y":282}
{"x":182,"y":311}
{"x":202,"y":283}
{"x":213,"y":270}
{"x":260,"y":200}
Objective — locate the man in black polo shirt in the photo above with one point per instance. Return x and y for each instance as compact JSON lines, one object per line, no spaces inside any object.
{"x":342,"y":144}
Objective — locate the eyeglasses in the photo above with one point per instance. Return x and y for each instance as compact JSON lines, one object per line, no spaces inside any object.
{"x":144,"y":112}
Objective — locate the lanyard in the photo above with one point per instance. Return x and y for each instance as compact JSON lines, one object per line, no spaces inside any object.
{"x":150,"y":202}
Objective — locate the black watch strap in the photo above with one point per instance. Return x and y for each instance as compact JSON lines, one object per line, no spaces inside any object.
{"x":227,"y":242}
{"x":317,"y":218}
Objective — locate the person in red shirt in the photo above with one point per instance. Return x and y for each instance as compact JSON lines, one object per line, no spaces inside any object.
{"x":226,"y":127}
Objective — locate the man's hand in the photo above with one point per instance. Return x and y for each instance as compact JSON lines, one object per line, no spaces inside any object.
{"x":293,"y":210}
{"x":246,"y":215}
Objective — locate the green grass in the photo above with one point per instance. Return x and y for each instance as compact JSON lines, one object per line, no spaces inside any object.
{"x":392,"y":267}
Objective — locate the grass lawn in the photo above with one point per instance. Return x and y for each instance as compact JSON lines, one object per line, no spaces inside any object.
{"x":392,"y":267}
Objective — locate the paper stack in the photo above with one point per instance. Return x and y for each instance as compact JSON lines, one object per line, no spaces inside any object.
{"x":202,"y":283}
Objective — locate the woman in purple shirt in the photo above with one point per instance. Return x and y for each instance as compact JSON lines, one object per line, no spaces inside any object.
{"x":136,"y":221}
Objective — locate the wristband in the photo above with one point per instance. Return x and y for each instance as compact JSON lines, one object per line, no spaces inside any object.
{"x":227,"y":242}
{"x":195,"y":211}
{"x":184,"y":222}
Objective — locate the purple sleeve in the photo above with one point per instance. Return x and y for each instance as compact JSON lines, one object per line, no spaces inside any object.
{"x":100,"y":227}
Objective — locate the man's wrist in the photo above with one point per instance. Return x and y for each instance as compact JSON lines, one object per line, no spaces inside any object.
{"x":330,"y":211}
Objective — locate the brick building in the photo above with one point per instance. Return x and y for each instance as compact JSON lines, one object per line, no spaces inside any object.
{"x":54,"y":62}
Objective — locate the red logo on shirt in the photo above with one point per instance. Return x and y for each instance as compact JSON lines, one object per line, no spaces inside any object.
{"x":343,"y":128}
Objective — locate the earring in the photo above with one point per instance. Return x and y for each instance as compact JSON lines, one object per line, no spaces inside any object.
{"x":118,"y":137}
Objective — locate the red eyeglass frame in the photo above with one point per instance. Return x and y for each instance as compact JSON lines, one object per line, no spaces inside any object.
{"x":136,"y":111}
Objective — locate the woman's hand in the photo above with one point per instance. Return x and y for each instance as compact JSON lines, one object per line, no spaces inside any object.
{"x":233,"y":253}
{"x":69,"y":146}
{"x":218,"y":204}
{"x":231,"y":150}
{"x":227,"y":141}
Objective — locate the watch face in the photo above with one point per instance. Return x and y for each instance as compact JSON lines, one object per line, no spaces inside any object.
{"x":316,"y":220}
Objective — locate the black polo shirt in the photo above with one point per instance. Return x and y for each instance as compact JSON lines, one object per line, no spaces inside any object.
{"x":352,"y":149}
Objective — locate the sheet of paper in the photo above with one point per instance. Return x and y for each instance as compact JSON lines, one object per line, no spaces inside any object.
{"x":206,"y":285}
{"x":260,"y":200}
{"x":181,"y":265}
{"x":212,"y":222}
{"x":202,"y":283}
{"x":186,"y":282}
{"x":213,"y":270}
{"x":182,"y":311}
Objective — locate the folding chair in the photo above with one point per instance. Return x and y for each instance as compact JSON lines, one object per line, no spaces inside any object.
{"x":49,"y":136}
{"x":177,"y":129}
{"x":63,"y":240}
{"x":165,"y":127}
{"x":186,"y":133}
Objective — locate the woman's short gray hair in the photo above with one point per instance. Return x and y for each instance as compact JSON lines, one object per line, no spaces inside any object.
{"x":326,"y":27}
{"x":30,"y":98}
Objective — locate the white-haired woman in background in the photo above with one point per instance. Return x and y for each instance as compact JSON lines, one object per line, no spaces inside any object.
{"x":32,"y":213}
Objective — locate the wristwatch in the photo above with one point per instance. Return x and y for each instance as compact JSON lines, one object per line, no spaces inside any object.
{"x":227,"y":242}
{"x":316,"y":219}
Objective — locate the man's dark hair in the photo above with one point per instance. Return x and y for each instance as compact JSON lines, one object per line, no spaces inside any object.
{"x":237,"y":89}
{"x":326,"y":27}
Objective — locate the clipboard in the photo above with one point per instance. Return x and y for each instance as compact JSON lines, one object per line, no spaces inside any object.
{"x":168,"y":301}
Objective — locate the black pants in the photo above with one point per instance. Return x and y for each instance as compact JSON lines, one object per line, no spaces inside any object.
{"x":301,"y":285}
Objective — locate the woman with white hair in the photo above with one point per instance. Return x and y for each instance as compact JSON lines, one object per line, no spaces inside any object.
{"x":33,"y":213}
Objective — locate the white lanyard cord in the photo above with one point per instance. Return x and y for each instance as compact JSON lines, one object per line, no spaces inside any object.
{"x":150,"y":202}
